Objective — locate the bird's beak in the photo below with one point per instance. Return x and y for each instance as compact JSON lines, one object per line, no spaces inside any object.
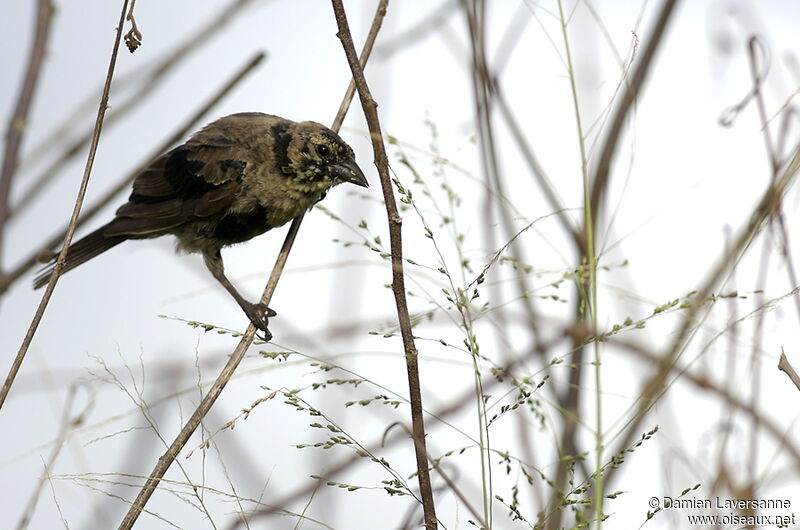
{"x":349,"y":172}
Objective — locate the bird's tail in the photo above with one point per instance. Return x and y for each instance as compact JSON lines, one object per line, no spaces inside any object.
{"x":80,"y":252}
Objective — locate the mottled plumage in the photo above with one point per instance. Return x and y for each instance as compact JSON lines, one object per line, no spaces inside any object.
{"x":235,"y":179}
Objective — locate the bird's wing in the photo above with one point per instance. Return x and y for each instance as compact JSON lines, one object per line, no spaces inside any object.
{"x":198,"y":179}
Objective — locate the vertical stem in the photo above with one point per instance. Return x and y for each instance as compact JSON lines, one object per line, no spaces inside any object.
{"x":602,"y":169}
{"x":398,"y":278}
{"x":588,"y":293}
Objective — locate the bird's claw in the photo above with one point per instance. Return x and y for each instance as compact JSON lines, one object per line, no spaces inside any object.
{"x":259,"y":315}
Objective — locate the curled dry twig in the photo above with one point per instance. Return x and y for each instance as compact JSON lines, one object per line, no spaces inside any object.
{"x":133,"y":39}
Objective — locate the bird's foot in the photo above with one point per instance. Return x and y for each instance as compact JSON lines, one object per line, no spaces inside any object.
{"x":259,"y":315}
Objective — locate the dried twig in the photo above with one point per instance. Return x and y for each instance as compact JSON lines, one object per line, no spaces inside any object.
{"x":101,"y":112}
{"x":398,"y":281}
{"x":225,"y":375}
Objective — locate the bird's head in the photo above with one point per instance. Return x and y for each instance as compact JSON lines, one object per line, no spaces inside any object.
{"x":318,"y":157}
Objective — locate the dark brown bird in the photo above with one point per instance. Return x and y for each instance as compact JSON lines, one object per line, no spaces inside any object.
{"x":235,"y":179}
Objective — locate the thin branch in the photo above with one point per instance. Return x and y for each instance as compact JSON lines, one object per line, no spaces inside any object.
{"x":101,"y":112}
{"x":166,"y":460}
{"x":398,"y":281}
{"x":18,"y":122}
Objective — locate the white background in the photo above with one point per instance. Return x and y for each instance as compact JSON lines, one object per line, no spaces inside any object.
{"x":680,"y":184}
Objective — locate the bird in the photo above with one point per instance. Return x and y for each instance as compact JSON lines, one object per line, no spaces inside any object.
{"x":233,"y":180}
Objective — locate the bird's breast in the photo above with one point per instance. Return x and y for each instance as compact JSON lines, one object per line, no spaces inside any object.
{"x":236,"y":227}
{"x":249,"y":221}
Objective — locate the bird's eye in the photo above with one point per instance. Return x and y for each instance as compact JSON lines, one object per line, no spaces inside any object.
{"x":323,"y":150}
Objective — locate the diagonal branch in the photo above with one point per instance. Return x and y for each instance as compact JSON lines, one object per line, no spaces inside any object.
{"x":73,"y":222}
{"x":398,"y":283}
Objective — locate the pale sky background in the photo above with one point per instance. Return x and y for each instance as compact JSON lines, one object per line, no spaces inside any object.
{"x":680,"y":184}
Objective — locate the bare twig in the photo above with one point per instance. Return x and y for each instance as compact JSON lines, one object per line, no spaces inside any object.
{"x":398,"y":281}
{"x":102,"y":202}
{"x":101,"y":112}
{"x":17,"y":123}
{"x":225,"y":375}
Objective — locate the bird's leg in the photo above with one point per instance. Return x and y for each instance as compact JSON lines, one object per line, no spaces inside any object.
{"x":257,"y":313}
